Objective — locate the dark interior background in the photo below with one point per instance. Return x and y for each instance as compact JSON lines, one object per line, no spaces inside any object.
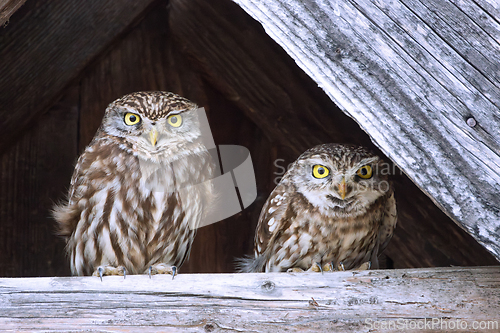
{"x":212,"y":53}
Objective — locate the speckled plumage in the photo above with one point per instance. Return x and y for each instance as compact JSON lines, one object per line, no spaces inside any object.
{"x":305,"y":220}
{"x":132,"y":202}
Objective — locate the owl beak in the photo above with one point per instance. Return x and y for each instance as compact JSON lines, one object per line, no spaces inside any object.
{"x":153,"y":136}
{"x":342,"y":188}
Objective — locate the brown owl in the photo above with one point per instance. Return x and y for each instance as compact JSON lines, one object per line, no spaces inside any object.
{"x":139,"y":190}
{"x":334,"y":209}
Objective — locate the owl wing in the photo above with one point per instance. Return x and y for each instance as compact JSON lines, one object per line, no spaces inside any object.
{"x":388,"y":223}
{"x":90,"y":166}
{"x":272,"y":219}
{"x":272,"y":223}
{"x":77,"y":174}
{"x":68,"y":214}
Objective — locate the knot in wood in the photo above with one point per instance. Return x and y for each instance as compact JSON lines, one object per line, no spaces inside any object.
{"x":471,"y":122}
{"x":267,"y":286}
{"x":209,"y":328}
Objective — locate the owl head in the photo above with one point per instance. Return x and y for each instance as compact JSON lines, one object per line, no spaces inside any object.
{"x":153,"y":125}
{"x":340,"y":179}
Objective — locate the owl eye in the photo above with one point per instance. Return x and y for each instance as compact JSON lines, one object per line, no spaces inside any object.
{"x":132,"y":119}
{"x":365,"y":172}
{"x":175,"y":120}
{"x":320,"y":171}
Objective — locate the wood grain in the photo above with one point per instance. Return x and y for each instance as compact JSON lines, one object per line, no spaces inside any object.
{"x":45,"y":46}
{"x":34,"y":173}
{"x":257,"y":302}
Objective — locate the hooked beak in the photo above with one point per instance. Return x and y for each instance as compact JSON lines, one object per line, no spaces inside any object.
{"x":153,"y":136}
{"x":342,"y":188}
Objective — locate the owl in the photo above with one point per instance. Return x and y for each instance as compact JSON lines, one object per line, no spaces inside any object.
{"x":334,"y":209}
{"x":139,"y":190}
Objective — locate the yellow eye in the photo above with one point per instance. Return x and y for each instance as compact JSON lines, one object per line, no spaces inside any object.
{"x":132,"y":119}
{"x":365,"y":172}
{"x":320,"y":171}
{"x":175,"y":120}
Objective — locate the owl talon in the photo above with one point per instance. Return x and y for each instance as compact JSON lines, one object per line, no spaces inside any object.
{"x":101,"y":272}
{"x":329,"y":267}
{"x":295,"y":270}
{"x":124,"y":273}
{"x":174,"y":271}
{"x":109,"y":270}
{"x":364,"y":266}
{"x":341,"y":267}
{"x":162,"y":269}
{"x":316,"y":267}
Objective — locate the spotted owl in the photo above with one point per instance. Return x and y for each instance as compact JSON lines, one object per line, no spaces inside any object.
{"x":139,"y":190}
{"x":334,"y":209}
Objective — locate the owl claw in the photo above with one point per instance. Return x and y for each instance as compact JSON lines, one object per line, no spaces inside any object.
{"x":162,"y":269}
{"x":364,"y":266}
{"x":329,"y":267}
{"x":295,"y":270}
{"x":341,"y":266}
{"x":101,"y":272}
{"x":109,"y":270}
{"x":124,"y":273}
{"x":316,"y":267}
{"x":174,"y":271}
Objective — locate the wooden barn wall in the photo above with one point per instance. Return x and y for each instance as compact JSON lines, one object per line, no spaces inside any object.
{"x":255,"y":96}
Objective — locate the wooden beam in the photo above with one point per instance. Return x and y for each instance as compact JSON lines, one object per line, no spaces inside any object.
{"x":240,"y":60}
{"x":367,"y":301}
{"x":46,"y":46}
{"x":421,"y":78}
{"x":7,"y":8}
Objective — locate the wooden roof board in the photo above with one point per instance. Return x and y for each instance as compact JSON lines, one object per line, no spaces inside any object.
{"x":412,"y":74}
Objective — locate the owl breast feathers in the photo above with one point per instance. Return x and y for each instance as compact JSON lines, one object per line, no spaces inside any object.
{"x":140,"y":188}
{"x":334,"y":208}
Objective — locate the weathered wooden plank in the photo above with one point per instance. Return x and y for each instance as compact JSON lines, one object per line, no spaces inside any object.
{"x":241,"y":61}
{"x":340,"y":301}
{"x":424,"y":89}
{"x":46,"y":46}
{"x":489,"y":8}
{"x":417,"y":49}
{"x":456,"y":23}
{"x":7,"y":8}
